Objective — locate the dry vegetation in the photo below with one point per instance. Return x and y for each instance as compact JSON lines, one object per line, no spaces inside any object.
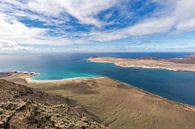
{"x":24,"y":108}
{"x":120,"y":106}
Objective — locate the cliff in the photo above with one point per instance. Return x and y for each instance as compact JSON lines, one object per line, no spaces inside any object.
{"x":25,"y":108}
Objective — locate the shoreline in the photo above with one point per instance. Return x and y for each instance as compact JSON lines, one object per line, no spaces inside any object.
{"x":191,"y":107}
{"x":27,"y":76}
{"x":174,"y":64}
{"x":115,"y":103}
{"x":28,"y":79}
{"x":65,"y":80}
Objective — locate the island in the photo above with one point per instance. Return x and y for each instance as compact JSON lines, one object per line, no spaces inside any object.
{"x":176,"y":64}
{"x":112,"y":103}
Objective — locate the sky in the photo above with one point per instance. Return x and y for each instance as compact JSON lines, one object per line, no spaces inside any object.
{"x":50,"y":26}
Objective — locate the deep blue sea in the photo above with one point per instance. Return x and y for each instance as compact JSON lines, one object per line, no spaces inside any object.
{"x":177,"y":86}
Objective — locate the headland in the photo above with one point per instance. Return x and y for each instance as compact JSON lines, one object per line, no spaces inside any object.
{"x":176,"y":64}
{"x":118,"y":105}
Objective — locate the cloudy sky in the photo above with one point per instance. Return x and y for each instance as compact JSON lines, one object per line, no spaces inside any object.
{"x":97,"y":25}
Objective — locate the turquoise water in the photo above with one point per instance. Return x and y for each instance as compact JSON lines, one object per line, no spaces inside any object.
{"x":177,"y":86}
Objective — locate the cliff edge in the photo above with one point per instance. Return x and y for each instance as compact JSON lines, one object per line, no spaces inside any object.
{"x":25,"y":108}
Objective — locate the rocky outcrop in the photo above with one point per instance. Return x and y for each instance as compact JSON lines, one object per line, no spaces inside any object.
{"x":31,"y":115}
{"x":10,"y":91}
{"x":25,"y":108}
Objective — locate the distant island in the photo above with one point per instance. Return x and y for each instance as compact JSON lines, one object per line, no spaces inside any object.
{"x":176,"y":64}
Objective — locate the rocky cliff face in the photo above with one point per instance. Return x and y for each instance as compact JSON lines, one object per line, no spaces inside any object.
{"x":25,"y":108}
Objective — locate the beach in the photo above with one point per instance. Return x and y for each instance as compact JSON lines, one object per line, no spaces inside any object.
{"x":107,"y":64}
{"x":118,"y":105}
{"x":22,"y":107}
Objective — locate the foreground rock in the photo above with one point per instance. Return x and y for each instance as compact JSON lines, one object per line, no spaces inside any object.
{"x":120,"y":106}
{"x":116,"y":105}
{"x":31,"y":115}
{"x":182,"y":64}
{"x":25,"y":108}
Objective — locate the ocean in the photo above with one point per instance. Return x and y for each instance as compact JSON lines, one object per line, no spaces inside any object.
{"x":176,"y":86}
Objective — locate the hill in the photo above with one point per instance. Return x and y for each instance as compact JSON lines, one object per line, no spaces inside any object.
{"x":25,"y":108}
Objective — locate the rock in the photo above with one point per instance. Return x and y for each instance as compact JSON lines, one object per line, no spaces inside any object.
{"x":25,"y":108}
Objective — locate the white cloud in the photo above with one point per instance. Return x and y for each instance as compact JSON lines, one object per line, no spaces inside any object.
{"x":149,"y":26}
{"x":185,"y":15}
{"x":179,"y":15}
{"x":186,"y":25}
{"x":12,"y":47}
{"x":14,"y":34}
{"x":184,"y":9}
{"x":11,"y":29}
{"x":84,"y":10}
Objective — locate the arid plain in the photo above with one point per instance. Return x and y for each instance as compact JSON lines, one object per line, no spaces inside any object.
{"x":117,"y":105}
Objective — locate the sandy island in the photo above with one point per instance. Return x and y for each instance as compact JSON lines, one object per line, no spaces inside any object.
{"x":175,"y":64}
{"x":117,"y":105}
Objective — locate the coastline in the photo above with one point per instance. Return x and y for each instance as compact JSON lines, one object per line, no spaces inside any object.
{"x":115,"y":102}
{"x":191,"y":107}
{"x":66,"y":80}
{"x":178,"y":65}
{"x":28,"y":79}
